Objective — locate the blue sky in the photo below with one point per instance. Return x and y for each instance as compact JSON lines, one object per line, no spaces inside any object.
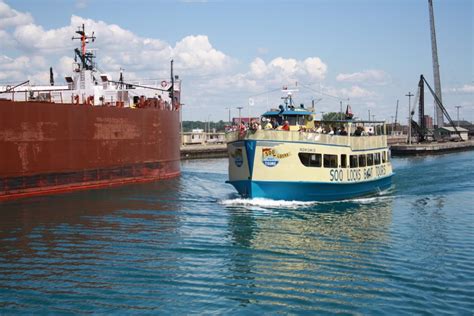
{"x":366,"y":53}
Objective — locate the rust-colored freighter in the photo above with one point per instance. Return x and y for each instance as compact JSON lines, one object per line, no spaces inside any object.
{"x":94,"y":132}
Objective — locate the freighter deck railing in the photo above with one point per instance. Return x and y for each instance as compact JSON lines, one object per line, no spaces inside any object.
{"x":355,"y":142}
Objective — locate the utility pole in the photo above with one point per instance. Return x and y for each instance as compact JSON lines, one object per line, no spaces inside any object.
{"x":340,"y":113}
{"x":409,"y":95}
{"x":457,"y":108}
{"x":396,"y":113}
{"x":229,"y":115}
{"x":369,"y":115}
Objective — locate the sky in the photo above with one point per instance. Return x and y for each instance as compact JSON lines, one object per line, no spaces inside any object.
{"x":229,"y":54}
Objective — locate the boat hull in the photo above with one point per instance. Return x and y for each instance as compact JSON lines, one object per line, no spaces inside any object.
{"x":47,"y":147}
{"x":309,"y":191}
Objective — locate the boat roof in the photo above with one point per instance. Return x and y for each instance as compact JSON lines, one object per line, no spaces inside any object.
{"x":287,"y":112}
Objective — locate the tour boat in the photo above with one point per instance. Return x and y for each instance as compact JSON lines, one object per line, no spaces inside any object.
{"x":309,"y":162}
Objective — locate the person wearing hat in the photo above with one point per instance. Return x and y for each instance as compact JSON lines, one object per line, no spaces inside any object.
{"x":268,"y":124}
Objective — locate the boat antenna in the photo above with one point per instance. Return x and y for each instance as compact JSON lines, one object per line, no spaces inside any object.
{"x":51,"y":76}
{"x":172,"y":84}
{"x":86,"y":58}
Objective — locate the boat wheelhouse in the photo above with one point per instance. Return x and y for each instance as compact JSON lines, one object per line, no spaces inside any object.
{"x":312,"y":161}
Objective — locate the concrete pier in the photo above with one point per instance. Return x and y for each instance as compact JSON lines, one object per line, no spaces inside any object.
{"x":430,"y":148}
{"x":203,"y":151}
{"x":397,"y":147}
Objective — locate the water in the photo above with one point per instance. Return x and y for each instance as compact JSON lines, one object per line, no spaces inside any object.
{"x":192,"y":246}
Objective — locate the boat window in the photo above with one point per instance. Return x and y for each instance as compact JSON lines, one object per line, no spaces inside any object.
{"x":362,"y":161}
{"x":370,"y":159}
{"x":384,"y":156}
{"x":353,"y":161}
{"x":291,"y":120}
{"x":330,"y":161}
{"x":377,"y":158}
{"x":343,"y":161}
{"x":388,"y":156}
{"x":310,"y":160}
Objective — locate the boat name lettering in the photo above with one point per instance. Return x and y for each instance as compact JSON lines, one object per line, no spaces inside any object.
{"x":368,"y":173}
{"x":307,"y":150}
{"x":336,"y":175}
{"x":380,"y":170}
{"x":353,"y":174}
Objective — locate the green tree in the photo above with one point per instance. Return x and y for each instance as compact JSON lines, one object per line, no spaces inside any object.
{"x":334,"y":116}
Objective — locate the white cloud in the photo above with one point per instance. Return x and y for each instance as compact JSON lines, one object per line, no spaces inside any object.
{"x":354,"y":92}
{"x":11,"y":18}
{"x":285,"y":70}
{"x":465,"y":89}
{"x":81,"y":4}
{"x":371,"y":76}
{"x":196,"y":52}
{"x":20,"y":68}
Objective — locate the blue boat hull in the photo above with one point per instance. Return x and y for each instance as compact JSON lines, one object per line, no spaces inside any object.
{"x":309,"y":191}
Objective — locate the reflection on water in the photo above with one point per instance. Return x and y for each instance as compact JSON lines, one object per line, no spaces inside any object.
{"x":192,"y":245}
{"x":311,"y":250}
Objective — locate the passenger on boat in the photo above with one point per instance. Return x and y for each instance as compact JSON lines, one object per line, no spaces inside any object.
{"x":274,"y":123}
{"x":242,"y":128}
{"x":319,"y":129}
{"x":286,"y":126}
{"x":268,"y":124}
{"x":343,"y":131}
{"x":255,"y":125}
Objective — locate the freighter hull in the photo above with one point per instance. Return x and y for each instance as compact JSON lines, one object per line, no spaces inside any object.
{"x":48,"y":147}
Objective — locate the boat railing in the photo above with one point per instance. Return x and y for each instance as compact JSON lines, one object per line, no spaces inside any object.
{"x":355,"y":142}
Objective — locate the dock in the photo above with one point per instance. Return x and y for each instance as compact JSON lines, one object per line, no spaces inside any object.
{"x":397,"y":149}
{"x":203,"y":151}
{"x":430,"y":148}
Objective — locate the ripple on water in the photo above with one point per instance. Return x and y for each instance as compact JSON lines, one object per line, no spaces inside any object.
{"x":191,"y":245}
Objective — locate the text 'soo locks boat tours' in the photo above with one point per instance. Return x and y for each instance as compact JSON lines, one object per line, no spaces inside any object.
{"x":89,"y":133}
{"x":309,"y":160}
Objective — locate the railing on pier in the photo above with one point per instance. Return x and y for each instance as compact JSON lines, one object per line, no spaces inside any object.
{"x":355,"y":142}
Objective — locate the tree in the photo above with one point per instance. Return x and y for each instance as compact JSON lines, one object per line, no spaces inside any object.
{"x":333,"y":116}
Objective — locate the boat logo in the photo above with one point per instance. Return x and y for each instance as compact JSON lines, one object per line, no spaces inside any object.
{"x":271,"y":157}
{"x":237,"y":155}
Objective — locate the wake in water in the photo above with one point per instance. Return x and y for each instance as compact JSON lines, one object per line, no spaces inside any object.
{"x":263,"y":204}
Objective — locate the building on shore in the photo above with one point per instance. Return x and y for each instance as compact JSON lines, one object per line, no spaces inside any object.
{"x":199,"y":137}
{"x":449,"y":133}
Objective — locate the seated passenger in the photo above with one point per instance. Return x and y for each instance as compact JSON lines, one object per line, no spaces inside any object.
{"x":319,"y":129}
{"x":286,"y":126}
{"x":275,"y":123}
{"x":343,"y":131}
{"x":268,"y":124}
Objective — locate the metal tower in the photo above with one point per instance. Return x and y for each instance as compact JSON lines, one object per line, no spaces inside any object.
{"x":437,"y":80}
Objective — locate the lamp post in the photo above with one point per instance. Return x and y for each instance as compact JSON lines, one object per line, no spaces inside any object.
{"x":240,"y":117}
{"x":457,"y":108}
{"x":409,"y":95}
{"x":229,"y":115}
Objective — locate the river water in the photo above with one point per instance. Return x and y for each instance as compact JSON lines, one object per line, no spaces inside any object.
{"x":191,"y":245}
